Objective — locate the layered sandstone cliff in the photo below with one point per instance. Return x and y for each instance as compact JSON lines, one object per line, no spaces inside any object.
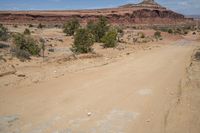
{"x":146,"y":12}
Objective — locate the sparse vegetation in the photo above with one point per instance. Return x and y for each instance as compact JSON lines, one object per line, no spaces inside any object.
{"x":141,"y":35}
{"x":3,"y":33}
{"x":110,"y":39}
{"x":101,"y":29}
{"x":185,"y":32}
{"x":21,"y":54}
{"x":119,"y":29}
{"x":170,"y":31}
{"x":134,"y":27}
{"x":71,"y":27}
{"x":91,"y":26}
{"x":40,"y":26}
{"x":15,"y":26}
{"x":157,"y":35}
{"x":181,"y":30}
{"x":98,"y":29}
{"x":27,"y":32}
{"x":25,"y":46}
{"x":30,"y":26}
{"x":197,"y":55}
{"x":83,"y":41}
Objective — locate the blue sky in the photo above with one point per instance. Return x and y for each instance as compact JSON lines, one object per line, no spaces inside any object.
{"x":181,"y":6}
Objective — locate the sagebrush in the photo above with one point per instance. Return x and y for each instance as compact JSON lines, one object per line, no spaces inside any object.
{"x":83,"y":41}
{"x":71,"y":27}
{"x":99,"y":28}
{"x":110,"y":39}
{"x":4,"y":35}
{"x":26,"y":43}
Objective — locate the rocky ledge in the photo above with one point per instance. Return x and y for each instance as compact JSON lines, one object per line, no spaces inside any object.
{"x":146,"y":12}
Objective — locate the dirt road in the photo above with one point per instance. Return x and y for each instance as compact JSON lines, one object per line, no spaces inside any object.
{"x":135,"y":95}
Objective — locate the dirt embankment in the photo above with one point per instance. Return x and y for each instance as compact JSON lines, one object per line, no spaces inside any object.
{"x":183,"y":117}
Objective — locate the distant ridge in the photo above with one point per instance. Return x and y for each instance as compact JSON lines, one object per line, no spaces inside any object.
{"x":193,"y":16}
{"x":148,"y":12}
{"x":145,"y":3}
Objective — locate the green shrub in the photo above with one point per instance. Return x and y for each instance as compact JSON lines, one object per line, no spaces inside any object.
{"x":27,"y":32}
{"x":157,"y":35}
{"x":99,"y":28}
{"x":163,"y":29}
{"x":83,"y":41}
{"x":40,"y":26}
{"x":91,"y":26}
{"x":178,"y":31}
{"x":197,"y":56}
{"x":141,"y":34}
{"x":71,"y":26}
{"x":119,"y":29}
{"x":170,"y":31}
{"x":134,"y":27}
{"x":110,"y":39}
{"x":27,"y":44}
{"x":3,"y":33}
{"x":30,"y":26}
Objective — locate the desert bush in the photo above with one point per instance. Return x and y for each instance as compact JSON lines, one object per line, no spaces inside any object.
{"x":163,"y":29}
{"x":141,"y":35}
{"x":71,"y":26}
{"x":30,"y":26}
{"x":40,"y":26}
{"x":26,"y":43}
{"x":178,"y":31}
{"x":15,"y":26}
{"x":99,"y":28}
{"x":134,"y":27}
{"x":21,"y":54}
{"x":27,"y":32}
{"x":185,"y":32}
{"x":197,"y":56}
{"x":170,"y":31}
{"x":119,"y":29}
{"x":157,"y":35}
{"x":91,"y":26}
{"x":188,"y":27}
{"x":3,"y":33}
{"x":194,"y":33}
{"x":83,"y":41}
{"x":110,"y":39}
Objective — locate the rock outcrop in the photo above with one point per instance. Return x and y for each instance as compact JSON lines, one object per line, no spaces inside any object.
{"x":144,"y":4}
{"x":146,"y":12}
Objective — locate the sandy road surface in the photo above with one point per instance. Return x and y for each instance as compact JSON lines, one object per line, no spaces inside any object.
{"x":133,"y":95}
